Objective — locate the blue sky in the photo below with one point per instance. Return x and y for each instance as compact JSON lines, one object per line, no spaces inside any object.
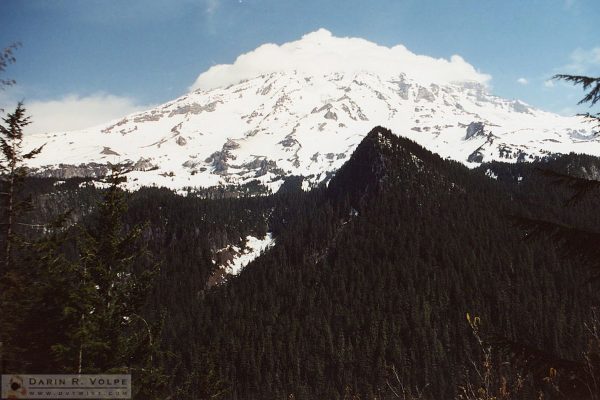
{"x":103,"y":58}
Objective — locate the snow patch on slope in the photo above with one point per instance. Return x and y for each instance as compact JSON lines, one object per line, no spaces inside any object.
{"x":254,"y":247}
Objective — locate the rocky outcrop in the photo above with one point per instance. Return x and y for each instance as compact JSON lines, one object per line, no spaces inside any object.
{"x":152,"y":116}
{"x":218,"y":160}
{"x":475,"y":129}
{"x":262,"y":166}
{"x":475,"y":157}
{"x":519,"y":107}
{"x":424,"y":94}
{"x":66,"y":171}
{"x":144,"y":164}
{"x":289,"y":142}
{"x":331,"y":115}
{"x":402,"y":88}
{"x":230,"y":145}
{"x":195,"y":108}
{"x":111,"y":127}
{"x":109,"y":152}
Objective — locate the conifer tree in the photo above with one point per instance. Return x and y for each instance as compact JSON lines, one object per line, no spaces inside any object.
{"x":13,"y":170}
{"x":51,"y":279}
{"x":112,"y":279}
{"x":12,"y":174}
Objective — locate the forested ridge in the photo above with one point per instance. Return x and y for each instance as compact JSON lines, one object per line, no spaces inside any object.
{"x":377,"y":269}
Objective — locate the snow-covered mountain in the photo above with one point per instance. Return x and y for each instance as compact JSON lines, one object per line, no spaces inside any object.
{"x":302,"y":108}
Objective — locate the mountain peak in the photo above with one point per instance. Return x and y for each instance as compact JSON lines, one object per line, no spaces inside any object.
{"x":303,"y":109}
{"x":378,"y":156}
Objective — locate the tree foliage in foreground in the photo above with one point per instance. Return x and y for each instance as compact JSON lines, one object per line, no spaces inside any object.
{"x":577,"y":377}
{"x":13,"y":278}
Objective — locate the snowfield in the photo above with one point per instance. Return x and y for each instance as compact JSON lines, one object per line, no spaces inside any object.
{"x":242,"y":257}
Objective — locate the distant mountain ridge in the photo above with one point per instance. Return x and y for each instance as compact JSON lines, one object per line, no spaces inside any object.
{"x":307,"y":123}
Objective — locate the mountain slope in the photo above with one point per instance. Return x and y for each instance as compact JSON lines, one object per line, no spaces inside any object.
{"x":299,"y":120}
{"x":381,"y":272}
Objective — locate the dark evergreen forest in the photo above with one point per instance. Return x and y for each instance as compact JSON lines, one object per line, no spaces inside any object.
{"x":375,"y":270}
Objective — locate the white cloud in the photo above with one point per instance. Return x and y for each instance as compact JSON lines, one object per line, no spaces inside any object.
{"x":523,"y":81}
{"x":320,"y":52}
{"x":74,"y":112}
{"x":549,"y":83}
{"x":582,"y":61}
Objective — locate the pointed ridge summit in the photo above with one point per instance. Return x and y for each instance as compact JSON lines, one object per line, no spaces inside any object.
{"x":380,"y":155}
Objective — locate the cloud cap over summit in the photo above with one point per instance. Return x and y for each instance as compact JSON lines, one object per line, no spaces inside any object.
{"x":320,"y":52}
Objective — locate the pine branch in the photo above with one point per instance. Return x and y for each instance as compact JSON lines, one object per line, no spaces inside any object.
{"x":34,"y":152}
{"x":6,"y":58}
{"x":593,"y":96}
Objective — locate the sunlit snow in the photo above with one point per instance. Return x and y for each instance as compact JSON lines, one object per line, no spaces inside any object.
{"x":254,"y":247}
